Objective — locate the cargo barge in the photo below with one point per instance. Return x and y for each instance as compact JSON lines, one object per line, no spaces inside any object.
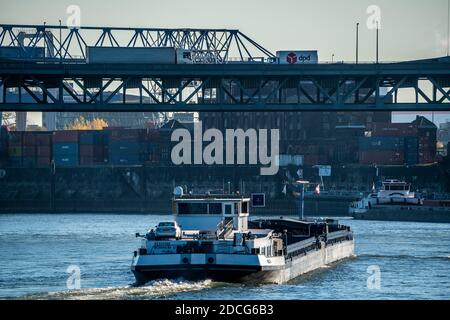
{"x":396,"y":202}
{"x":212,"y":237}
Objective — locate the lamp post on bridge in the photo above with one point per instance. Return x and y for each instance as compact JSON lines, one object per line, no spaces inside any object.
{"x":357,"y":42}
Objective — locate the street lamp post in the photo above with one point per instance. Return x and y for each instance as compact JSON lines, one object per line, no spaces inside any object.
{"x":60,"y":39}
{"x":357,"y":42}
{"x":378,"y":29}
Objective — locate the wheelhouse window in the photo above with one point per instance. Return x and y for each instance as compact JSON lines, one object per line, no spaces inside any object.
{"x":244,"y":207}
{"x":228,"y":208}
{"x":215,"y":208}
{"x":192,"y":208}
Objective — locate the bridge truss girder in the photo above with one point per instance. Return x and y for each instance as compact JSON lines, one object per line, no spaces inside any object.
{"x":69,"y":44}
{"x":222,"y":93}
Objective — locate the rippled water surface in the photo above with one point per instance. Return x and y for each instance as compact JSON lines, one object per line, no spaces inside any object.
{"x":37,"y":249}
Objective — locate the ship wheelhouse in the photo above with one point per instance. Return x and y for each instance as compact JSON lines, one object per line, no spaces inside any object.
{"x":207,"y":212}
{"x":395,"y":188}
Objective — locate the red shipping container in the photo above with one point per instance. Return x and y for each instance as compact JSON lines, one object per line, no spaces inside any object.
{"x":153,"y":135}
{"x":86,"y":150}
{"x":43,"y":151}
{"x":29,"y":151}
{"x":43,"y":162}
{"x":393,"y":130}
{"x":381,"y":158}
{"x":15,"y":138}
{"x":29,"y":139}
{"x":43,"y":139}
{"x":92,"y":151}
{"x":128,"y":134}
{"x":86,"y":161}
{"x":65,"y":136}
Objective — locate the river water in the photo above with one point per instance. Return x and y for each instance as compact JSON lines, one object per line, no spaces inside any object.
{"x":394,"y":260}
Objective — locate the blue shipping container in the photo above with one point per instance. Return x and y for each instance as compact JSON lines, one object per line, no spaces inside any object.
{"x":68,"y":148}
{"x":15,"y":161}
{"x":66,"y":160}
{"x":28,"y":162}
{"x":126,"y":160}
{"x":381,"y":143}
{"x":93,"y":138}
{"x":125,"y":148}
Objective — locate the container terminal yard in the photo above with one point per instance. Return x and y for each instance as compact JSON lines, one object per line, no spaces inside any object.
{"x":118,"y":169}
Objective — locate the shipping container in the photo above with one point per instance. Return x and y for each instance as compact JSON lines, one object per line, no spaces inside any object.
{"x":127,"y":147}
{"x":29,"y":139}
{"x":153,"y":135}
{"x":93,"y":138}
{"x":14,"y":151}
{"x":127,"y":135}
{"x":65,"y":136}
{"x":43,"y":151}
{"x":20,"y":53}
{"x":411,"y":158}
{"x":86,"y":161}
{"x":28,"y":162}
{"x":126,"y":159}
{"x":66,"y":160}
{"x":29,"y":151}
{"x":44,"y":139}
{"x":43,"y":162}
{"x":381,"y":158}
{"x":15,"y":138}
{"x":382,"y":129}
{"x":297,"y":57}
{"x":14,"y":161}
{"x":92,"y":151}
{"x":381,"y":143}
{"x":162,"y":55}
{"x":69,"y":148}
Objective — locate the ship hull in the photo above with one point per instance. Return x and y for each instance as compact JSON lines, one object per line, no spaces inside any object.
{"x":277,"y":273}
{"x":405,"y":213}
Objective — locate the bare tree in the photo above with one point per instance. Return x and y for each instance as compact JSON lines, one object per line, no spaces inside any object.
{"x":9,"y":119}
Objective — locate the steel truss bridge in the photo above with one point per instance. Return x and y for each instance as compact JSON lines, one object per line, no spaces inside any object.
{"x":63,"y":81}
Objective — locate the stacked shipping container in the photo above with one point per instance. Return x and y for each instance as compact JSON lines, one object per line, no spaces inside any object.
{"x":65,"y":148}
{"x":93,"y":148}
{"x":154,"y":148}
{"x":15,"y":149}
{"x":3,"y":144}
{"x":127,"y":147}
{"x":382,"y":150}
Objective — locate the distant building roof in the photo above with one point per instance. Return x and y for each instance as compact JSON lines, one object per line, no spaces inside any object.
{"x":423,"y":123}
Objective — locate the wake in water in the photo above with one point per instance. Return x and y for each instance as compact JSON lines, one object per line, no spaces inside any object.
{"x":153,"y":289}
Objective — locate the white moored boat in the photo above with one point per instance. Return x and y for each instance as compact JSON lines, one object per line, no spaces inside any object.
{"x":393,"y":192}
{"x":219,"y":242}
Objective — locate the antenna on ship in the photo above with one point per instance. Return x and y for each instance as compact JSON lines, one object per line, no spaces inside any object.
{"x":301,"y":198}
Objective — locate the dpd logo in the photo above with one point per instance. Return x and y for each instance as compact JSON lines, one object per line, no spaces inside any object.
{"x":291,"y":58}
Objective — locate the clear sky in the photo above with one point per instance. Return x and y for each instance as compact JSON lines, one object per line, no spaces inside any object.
{"x":410,"y":29}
